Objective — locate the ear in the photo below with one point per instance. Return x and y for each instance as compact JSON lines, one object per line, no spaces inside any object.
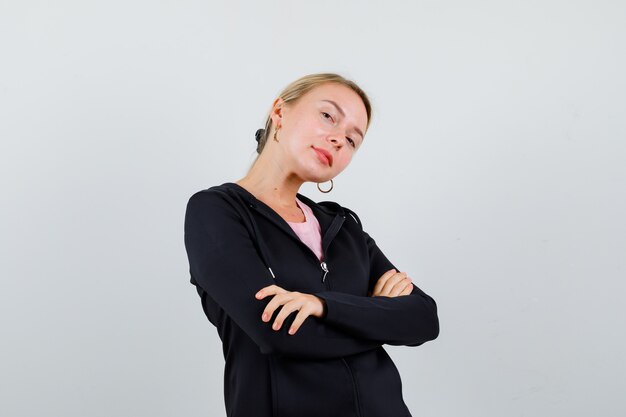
{"x":277,"y":111}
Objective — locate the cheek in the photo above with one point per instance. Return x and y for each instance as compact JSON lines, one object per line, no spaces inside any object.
{"x":344,"y":160}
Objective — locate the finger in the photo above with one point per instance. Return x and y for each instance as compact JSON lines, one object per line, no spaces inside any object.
{"x":269,"y":290}
{"x":263,"y":292}
{"x":382,"y":280}
{"x":300,"y":317}
{"x":408,"y":290}
{"x":399,"y":287}
{"x":382,"y":285}
{"x":275,"y":302}
{"x":288,"y":308}
{"x":386,"y":290}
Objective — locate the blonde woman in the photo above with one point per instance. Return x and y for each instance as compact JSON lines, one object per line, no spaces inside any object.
{"x":301,"y":296}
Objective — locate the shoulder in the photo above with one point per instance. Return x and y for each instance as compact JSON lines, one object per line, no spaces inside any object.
{"x":212,"y":203}
{"x":216,"y":194}
{"x":346,"y":212}
{"x":212,"y":194}
{"x":353,"y":214}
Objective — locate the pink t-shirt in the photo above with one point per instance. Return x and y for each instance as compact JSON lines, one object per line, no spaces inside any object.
{"x":309,"y":231}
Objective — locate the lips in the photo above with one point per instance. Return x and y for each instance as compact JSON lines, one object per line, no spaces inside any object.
{"x":325,"y":154}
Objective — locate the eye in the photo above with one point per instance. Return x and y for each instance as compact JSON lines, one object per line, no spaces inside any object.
{"x":326,"y":114}
{"x":351,"y":141}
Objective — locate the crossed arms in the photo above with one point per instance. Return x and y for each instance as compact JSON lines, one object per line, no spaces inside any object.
{"x":216,"y":241}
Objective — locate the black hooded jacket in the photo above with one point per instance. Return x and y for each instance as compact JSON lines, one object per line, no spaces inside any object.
{"x":332,"y":366}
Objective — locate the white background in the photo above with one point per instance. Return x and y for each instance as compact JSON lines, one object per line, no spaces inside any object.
{"x":494,"y":173}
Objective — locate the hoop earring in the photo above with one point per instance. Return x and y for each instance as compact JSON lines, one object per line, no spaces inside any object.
{"x":327,"y":191}
{"x":275,"y":132}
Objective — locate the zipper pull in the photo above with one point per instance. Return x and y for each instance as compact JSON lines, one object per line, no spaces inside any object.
{"x":325,"y":269}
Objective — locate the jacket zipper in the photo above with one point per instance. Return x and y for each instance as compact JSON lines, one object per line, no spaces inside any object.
{"x":323,"y":264}
{"x":325,"y":269}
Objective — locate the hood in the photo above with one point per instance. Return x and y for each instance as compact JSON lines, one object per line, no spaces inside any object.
{"x":329,"y":214}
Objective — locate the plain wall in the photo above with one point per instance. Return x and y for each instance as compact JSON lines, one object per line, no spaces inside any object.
{"x":494,"y":173}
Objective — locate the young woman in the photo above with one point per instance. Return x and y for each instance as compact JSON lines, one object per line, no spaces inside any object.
{"x":301,"y":296}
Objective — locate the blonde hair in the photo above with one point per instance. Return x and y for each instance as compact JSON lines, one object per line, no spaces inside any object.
{"x":303,"y":85}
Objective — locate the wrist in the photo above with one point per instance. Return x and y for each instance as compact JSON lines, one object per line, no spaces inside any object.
{"x":324,"y":307}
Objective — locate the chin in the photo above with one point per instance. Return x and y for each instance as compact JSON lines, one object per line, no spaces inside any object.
{"x":315,"y":176}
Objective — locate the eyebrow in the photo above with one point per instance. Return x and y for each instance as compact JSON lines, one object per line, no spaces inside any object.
{"x":340,"y":110}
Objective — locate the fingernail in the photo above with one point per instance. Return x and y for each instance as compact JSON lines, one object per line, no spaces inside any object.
{"x":292,"y":330}
{"x":264,"y":316}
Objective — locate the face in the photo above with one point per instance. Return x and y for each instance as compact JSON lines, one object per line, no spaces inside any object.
{"x":330,"y":119}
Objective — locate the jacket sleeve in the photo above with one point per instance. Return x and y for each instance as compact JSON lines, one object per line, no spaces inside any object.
{"x":224,"y":262}
{"x":408,"y":320}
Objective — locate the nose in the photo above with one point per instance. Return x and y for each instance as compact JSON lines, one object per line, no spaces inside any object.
{"x":337,"y":140}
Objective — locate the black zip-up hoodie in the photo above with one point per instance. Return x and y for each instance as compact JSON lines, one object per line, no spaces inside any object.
{"x":332,"y":366}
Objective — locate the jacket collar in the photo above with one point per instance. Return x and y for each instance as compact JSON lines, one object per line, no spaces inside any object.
{"x":329,"y":214}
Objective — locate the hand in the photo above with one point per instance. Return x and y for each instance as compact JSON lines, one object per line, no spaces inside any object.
{"x":392,"y":284}
{"x":307,"y":304}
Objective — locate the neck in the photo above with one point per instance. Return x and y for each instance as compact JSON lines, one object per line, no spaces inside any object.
{"x":268,"y":182}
